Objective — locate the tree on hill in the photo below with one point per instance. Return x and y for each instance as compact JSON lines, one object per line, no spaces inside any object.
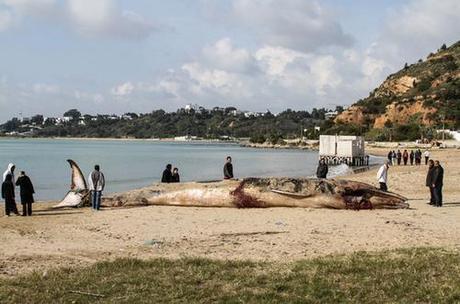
{"x":74,"y":113}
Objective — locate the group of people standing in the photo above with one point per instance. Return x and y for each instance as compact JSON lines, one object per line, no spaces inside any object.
{"x":96,"y":184}
{"x":434,"y":178}
{"x":171,"y":175}
{"x":26,"y":190}
{"x":406,"y":157}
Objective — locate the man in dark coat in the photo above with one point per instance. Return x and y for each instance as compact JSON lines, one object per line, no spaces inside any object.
{"x":26,"y":190}
{"x":429,"y":181}
{"x":322,"y":170}
{"x":411,"y":157}
{"x":167,"y":174}
{"x":437,"y":183}
{"x":228,"y":168}
{"x":8,"y":195}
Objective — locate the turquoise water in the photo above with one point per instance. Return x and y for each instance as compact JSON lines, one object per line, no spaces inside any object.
{"x":132,"y":164}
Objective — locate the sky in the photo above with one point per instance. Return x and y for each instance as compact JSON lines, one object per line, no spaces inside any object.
{"x":109,"y":56}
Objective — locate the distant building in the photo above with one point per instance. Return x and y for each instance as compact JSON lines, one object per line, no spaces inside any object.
{"x":343,"y":149}
{"x":331,"y":115}
{"x":248,"y":114}
{"x":218,"y":109}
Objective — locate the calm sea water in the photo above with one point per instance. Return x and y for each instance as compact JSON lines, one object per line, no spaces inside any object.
{"x":132,"y":164}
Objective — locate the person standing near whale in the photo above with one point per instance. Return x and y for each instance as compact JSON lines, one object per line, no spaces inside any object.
{"x":228,"y":168}
{"x":96,"y":183}
{"x":8,"y":195}
{"x":26,"y":190}
{"x":382,"y":176}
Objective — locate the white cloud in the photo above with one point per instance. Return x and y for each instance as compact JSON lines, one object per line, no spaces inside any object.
{"x":43,"y":88}
{"x":123,"y":89}
{"x":224,"y":55}
{"x":30,"y":7}
{"x":6,"y":20}
{"x":295,"y":24}
{"x":103,"y":17}
{"x":91,"y":18}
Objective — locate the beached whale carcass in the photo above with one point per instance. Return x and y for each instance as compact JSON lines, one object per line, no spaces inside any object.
{"x":264,"y":192}
{"x":78,"y":194}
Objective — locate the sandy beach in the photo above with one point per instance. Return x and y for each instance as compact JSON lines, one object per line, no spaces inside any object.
{"x":80,"y":237}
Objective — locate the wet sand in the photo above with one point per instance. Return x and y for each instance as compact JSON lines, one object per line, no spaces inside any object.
{"x":79,"y":236}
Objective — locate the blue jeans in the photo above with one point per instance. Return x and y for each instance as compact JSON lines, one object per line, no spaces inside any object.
{"x":96,"y":199}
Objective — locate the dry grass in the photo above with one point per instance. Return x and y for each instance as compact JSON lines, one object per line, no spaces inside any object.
{"x":408,"y":276}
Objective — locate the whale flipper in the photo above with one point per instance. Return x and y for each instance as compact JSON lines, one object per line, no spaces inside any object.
{"x":78,"y":193}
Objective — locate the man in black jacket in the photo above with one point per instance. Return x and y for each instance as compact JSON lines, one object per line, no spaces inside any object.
{"x":228,"y":168}
{"x":437,"y":183}
{"x":27,"y":193}
{"x":322,"y":170}
{"x":429,"y":181}
{"x":167,"y":174}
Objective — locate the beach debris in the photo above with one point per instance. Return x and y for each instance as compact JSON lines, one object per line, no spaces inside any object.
{"x":257,"y":192}
{"x":152,"y":242}
{"x":78,"y":194}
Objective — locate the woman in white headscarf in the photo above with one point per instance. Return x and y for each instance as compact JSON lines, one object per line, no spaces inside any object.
{"x":10,"y":171}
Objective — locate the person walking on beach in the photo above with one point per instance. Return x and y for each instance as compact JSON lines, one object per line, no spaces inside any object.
{"x":175,"y":176}
{"x":393,"y":157}
{"x":427,"y":156}
{"x":9,"y":170}
{"x":96,"y":181}
{"x":398,"y":157}
{"x":323,"y":169}
{"x":228,"y":168}
{"x":26,"y":190}
{"x":8,"y":195}
{"x":429,"y":181}
{"x":437,"y":183}
{"x":405,"y":157}
{"x":411,"y":157}
{"x":167,"y":174}
{"x":390,"y":156}
{"x":382,"y":176}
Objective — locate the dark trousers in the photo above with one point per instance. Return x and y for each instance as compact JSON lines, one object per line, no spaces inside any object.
{"x":426,"y":160}
{"x":26,"y":209}
{"x":399,"y":161}
{"x":411,"y":161}
{"x":405,"y":161}
{"x":10,"y":206}
{"x":438,"y":195}
{"x":383,"y":187}
{"x":96,"y":199}
{"x":432,"y":196}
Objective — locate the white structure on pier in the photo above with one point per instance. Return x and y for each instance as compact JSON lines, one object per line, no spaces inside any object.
{"x":343,"y":149}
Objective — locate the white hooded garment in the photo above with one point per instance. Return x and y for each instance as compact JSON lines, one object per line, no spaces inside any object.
{"x":8,"y":171}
